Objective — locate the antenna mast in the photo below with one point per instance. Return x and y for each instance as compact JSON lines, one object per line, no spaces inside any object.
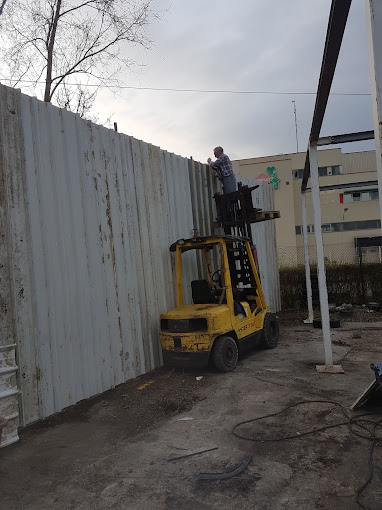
{"x":295,"y":121}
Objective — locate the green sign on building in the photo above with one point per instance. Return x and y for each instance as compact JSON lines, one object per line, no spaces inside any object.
{"x":272,"y":174}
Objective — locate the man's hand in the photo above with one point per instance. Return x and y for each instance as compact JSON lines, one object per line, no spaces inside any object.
{"x":209,"y":161}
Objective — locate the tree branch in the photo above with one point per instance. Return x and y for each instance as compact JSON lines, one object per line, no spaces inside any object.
{"x":22,"y":76}
{"x":48,"y":83}
{"x":77,"y":7}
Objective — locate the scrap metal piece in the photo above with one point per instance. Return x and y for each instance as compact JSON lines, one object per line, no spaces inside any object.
{"x":192,"y":454}
{"x":374,"y":391}
{"x":228,"y":474}
{"x":9,"y":408}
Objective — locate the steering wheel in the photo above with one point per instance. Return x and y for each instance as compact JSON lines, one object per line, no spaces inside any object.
{"x":216,"y":277}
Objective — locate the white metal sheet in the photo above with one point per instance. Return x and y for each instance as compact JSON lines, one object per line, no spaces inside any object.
{"x":89,"y":216}
{"x":98,"y":211}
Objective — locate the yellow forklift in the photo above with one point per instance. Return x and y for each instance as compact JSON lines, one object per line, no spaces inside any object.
{"x":228,"y":313}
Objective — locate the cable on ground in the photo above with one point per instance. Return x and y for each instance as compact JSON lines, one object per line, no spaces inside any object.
{"x":360,"y":420}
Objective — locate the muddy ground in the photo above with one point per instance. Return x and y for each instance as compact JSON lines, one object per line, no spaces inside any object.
{"x":114,"y":451}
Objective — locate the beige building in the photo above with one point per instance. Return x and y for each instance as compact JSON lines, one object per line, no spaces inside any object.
{"x":349,"y":204}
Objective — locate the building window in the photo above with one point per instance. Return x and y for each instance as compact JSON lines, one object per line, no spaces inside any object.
{"x":310,"y":229}
{"x":363,"y":225}
{"x":336,"y":227}
{"x":374,"y":195}
{"x":360,"y":196}
{"x":323,"y":171}
{"x":356,"y":197}
{"x":344,"y":226}
{"x":349,"y":225}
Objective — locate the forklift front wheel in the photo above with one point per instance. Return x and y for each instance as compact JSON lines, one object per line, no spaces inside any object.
{"x":271,"y":331}
{"x":225,"y":354}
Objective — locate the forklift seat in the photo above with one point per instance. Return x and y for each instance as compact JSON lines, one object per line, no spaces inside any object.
{"x":202,"y":292}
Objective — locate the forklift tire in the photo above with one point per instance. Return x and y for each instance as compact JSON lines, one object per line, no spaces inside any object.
{"x":225,"y":354}
{"x":271,"y":331}
{"x":334,"y":323}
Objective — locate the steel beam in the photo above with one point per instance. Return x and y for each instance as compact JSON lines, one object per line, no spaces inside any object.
{"x":309,"y":320}
{"x":349,"y":137}
{"x":324,"y":305}
{"x":336,"y":27}
{"x":374,"y":34}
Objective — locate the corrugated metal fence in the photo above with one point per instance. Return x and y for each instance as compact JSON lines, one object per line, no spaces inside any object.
{"x":88,"y":215}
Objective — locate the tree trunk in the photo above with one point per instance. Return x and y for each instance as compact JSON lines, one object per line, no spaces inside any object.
{"x":48,"y":80}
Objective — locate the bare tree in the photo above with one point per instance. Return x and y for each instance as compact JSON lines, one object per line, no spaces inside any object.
{"x":70,"y":45}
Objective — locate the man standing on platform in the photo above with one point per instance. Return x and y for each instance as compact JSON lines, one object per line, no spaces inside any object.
{"x":223,"y":169}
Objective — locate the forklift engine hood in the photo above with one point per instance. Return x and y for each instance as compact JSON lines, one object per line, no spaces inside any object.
{"x":209,"y":317}
{"x":196,"y":311}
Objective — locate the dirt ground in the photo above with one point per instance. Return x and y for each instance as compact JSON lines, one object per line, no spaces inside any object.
{"x":356,"y":314}
{"x":114,"y":451}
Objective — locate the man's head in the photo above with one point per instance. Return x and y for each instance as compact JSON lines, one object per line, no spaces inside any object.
{"x":218,"y":151}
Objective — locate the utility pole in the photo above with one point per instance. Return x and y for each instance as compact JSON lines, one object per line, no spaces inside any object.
{"x":295,"y":121}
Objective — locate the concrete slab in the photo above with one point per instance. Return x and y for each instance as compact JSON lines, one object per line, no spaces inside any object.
{"x":335,"y":369}
{"x":112,"y":453}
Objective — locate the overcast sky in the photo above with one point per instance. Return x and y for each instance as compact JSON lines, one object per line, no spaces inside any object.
{"x":241,"y":45}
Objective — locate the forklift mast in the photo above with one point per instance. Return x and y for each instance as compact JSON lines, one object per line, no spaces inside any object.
{"x":235,"y":214}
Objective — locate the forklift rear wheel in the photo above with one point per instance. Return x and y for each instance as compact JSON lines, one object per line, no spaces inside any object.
{"x":271,"y":331}
{"x":225,"y":354}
